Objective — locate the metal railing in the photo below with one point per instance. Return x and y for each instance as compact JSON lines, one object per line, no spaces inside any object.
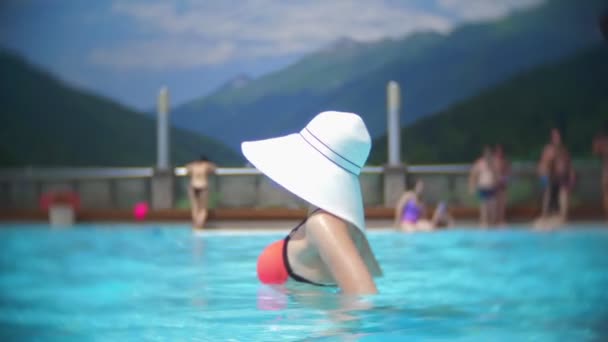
{"x":121,"y":187}
{"x":85,"y":173}
{"x":69,"y":173}
{"x":74,"y":173}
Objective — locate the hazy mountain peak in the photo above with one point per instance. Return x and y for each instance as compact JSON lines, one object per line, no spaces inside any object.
{"x":341,"y":44}
{"x":435,"y":71}
{"x":239,"y":81}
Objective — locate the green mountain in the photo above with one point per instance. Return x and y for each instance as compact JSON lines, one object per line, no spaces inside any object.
{"x":571,"y":95}
{"x":435,"y":71}
{"x":47,"y":123}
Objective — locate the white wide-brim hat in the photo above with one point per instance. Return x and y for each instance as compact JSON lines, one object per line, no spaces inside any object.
{"x":320,"y":164}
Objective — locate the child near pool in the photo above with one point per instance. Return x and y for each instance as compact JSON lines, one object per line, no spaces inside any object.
{"x":321,"y":165}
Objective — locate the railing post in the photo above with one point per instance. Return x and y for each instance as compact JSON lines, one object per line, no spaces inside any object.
{"x":162,"y":180}
{"x":393,"y":127}
{"x":394,"y":171}
{"x":394,"y":184}
{"x":162,"y":189}
{"x":162,"y":134}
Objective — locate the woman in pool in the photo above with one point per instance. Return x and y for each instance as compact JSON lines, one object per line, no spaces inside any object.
{"x":410,"y":211}
{"x":321,"y":165}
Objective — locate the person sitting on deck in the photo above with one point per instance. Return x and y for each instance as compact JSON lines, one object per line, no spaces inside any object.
{"x":410,"y":211}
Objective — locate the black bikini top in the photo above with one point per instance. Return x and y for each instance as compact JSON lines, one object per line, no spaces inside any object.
{"x":286,"y":261}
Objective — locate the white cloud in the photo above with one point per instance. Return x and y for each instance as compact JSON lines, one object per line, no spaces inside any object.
{"x":164,"y":53}
{"x":484,"y":9}
{"x":191,"y":33}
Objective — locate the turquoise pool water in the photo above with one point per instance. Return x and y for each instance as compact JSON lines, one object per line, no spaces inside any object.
{"x":155,"y":283}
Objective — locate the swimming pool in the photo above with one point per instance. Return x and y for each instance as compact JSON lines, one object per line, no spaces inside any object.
{"x":129,"y":282}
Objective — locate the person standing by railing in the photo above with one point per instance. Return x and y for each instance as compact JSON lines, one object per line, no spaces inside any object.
{"x":483,"y":178}
{"x":198,"y":191}
{"x":557,"y":175}
{"x":600,"y":148}
{"x":547,"y":157}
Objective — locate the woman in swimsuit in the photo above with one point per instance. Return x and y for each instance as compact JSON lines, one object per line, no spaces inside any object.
{"x":198,"y":191}
{"x":321,"y":165}
{"x":561,"y":177}
{"x":410,"y":211}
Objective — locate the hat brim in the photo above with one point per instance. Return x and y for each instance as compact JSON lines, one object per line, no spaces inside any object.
{"x":292,"y":163}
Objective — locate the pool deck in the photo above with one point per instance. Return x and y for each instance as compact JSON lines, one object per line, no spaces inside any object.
{"x":279,"y":218}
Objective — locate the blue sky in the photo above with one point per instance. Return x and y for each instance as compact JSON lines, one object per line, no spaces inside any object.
{"x":127,"y":49}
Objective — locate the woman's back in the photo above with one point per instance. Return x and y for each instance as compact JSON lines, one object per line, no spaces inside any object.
{"x":305,"y":256}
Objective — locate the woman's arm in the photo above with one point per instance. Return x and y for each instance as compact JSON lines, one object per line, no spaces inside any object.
{"x":370,"y":259}
{"x":339,"y":253}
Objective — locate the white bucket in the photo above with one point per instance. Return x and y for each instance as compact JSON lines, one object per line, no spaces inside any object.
{"x":61,"y":215}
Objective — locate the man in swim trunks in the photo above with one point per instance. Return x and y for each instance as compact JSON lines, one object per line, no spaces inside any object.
{"x":561,"y":179}
{"x":548,"y":154}
{"x":198,"y":191}
{"x":556,"y":167}
{"x":482,"y":178}
{"x":600,"y":148}
{"x":321,"y":165}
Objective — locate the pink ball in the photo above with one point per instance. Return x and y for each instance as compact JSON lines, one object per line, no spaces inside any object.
{"x":140,"y":211}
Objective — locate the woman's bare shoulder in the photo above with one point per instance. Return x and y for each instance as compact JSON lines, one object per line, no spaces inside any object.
{"x":323,"y":218}
{"x":322,"y":224}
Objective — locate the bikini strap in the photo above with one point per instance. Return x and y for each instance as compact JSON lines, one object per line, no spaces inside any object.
{"x":295,"y":229}
{"x":290,"y":272}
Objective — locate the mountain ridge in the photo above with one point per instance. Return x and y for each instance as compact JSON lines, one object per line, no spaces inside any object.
{"x":518,"y":113}
{"x":50,"y":123}
{"x":434,"y":70}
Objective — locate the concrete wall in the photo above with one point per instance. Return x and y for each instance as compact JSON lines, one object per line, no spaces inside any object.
{"x":96,"y":194}
{"x":255,"y":190}
{"x":22,"y":194}
{"x":127,"y":192}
